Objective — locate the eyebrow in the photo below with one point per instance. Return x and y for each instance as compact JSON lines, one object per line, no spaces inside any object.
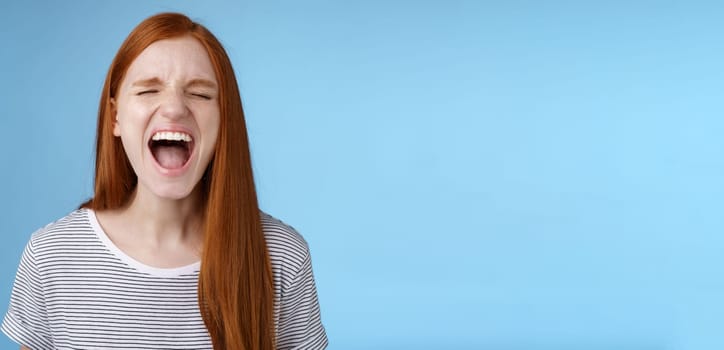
{"x":202,"y":82}
{"x":156,"y":81}
{"x":147,"y":82}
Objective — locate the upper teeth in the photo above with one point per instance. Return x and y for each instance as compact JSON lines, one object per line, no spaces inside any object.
{"x":171,"y":136}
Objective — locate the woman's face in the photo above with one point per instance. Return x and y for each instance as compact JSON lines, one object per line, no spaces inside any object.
{"x":167,"y":116}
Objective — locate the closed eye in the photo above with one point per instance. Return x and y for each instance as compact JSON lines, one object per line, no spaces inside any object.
{"x":146,"y":92}
{"x":204,"y":96}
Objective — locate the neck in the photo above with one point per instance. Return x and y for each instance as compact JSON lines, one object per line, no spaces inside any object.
{"x":162,"y":221}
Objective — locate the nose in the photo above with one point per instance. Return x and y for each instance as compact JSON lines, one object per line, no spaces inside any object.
{"x":173,"y":106}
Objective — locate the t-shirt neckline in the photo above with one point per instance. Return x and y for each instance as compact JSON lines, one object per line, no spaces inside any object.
{"x":130,"y":261}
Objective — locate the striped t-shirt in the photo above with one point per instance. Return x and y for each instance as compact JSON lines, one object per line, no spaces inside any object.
{"x":75,"y":289}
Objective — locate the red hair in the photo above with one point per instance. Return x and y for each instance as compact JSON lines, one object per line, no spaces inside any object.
{"x":236,"y":295}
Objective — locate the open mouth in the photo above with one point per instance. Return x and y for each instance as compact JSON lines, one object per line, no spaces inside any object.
{"x":171,"y":149}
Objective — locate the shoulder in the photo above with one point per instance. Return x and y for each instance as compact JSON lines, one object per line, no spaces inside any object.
{"x":73,"y":225}
{"x":286,"y":246}
{"x":68,"y":236}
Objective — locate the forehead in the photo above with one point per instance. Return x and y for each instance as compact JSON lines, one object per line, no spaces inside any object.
{"x":169,"y":59}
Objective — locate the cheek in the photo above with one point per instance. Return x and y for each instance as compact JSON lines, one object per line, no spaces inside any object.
{"x":216,"y":128}
{"x":133,"y":111}
{"x":130,"y":119}
{"x":211,"y":126}
{"x":130,"y":127}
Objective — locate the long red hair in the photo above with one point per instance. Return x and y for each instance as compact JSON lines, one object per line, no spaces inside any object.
{"x":236,"y":295}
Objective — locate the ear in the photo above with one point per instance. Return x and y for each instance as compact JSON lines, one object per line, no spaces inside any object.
{"x":114,"y":115}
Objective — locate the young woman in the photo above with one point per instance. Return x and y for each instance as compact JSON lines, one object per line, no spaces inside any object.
{"x":172,"y":251}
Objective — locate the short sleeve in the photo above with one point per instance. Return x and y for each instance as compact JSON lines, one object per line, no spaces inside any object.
{"x":26,"y":319}
{"x":300,"y":323}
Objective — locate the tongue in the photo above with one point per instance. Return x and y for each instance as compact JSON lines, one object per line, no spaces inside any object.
{"x":170,"y":157}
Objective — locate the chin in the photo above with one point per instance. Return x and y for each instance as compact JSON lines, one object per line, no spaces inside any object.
{"x":172,"y":192}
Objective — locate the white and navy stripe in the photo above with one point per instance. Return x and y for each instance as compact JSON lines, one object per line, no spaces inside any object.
{"x":75,"y":289}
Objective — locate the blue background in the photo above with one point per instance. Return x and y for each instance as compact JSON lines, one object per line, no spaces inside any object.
{"x":468,"y":174}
